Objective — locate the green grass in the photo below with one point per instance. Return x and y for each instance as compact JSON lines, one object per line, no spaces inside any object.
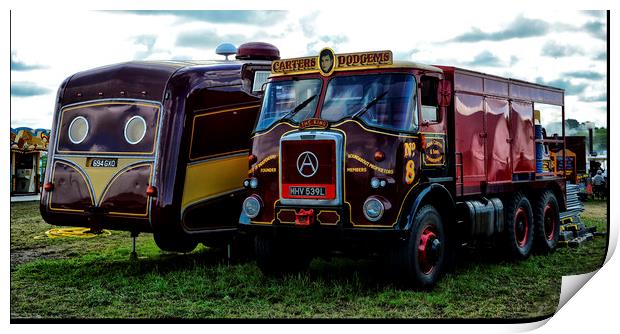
{"x":94,"y":278}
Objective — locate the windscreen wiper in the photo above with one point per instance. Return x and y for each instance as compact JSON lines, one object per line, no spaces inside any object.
{"x":369,"y":105}
{"x":299,"y":107}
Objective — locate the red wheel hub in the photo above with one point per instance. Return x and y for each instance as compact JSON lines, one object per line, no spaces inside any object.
{"x":521,"y":227}
{"x":549,"y":221}
{"x":429,"y":247}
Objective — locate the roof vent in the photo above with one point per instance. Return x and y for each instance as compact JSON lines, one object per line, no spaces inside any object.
{"x":226,"y":49}
{"x":258,"y":51}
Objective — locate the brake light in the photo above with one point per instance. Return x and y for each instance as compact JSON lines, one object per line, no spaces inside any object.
{"x":151,"y":191}
{"x":48,"y":186}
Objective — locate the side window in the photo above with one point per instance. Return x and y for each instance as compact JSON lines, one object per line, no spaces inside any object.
{"x":428,"y":94}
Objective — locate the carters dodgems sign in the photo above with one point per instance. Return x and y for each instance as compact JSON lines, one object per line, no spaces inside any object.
{"x":327,"y":62}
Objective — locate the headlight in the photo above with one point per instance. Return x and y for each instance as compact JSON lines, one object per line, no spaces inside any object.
{"x":373,"y":209}
{"x":135,"y":129}
{"x":78,"y":129}
{"x":251,"y":206}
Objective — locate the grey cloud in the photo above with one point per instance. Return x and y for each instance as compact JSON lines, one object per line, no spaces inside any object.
{"x":594,"y":13}
{"x":513,"y":60}
{"x":601,"y":56}
{"x":596,"y":29}
{"x":312,"y":48}
{"x":307,"y":24}
{"x":405,"y":54}
{"x":207,"y":39}
{"x":569,"y":88}
{"x":17,"y":65}
{"x":335,"y":39}
{"x":147,"y":41}
{"x":521,"y":27}
{"x":556,"y":50}
{"x":485,"y":58}
{"x":597,"y":98}
{"x":590,"y":75}
{"x":26,"y":89}
{"x":251,"y":17}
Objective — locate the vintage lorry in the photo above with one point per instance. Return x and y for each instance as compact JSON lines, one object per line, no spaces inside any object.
{"x":156,"y":146}
{"x":360,"y":153}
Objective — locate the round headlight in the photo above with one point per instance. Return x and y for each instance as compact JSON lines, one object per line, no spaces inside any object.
{"x":373,"y":209}
{"x":78,"y":129}
{"x":251,"y":206}
{"x":135,"y":130}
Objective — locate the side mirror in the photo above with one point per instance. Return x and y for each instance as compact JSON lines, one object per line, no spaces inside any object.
{"x":444,"y":93}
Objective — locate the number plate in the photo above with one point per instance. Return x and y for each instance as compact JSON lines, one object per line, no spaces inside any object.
{"x":99,"y":162}
{"x":307,"y":191}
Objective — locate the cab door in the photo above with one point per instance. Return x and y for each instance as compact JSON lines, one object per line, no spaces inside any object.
{"x":433,"y":125}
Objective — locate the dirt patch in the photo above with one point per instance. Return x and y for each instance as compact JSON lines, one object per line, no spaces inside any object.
{"x":21,"y":256}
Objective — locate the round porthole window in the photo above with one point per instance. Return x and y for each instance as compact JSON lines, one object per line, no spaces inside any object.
{"x":135,"y":129}
{"x":78,"y":129}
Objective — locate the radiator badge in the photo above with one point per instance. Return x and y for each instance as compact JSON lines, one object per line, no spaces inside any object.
{"x":307,"y":164}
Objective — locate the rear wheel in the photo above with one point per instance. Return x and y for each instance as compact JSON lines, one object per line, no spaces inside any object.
{"x":423,"y":255}
{"x":519,"y":231}
{"x":546,"y":222}
{"x":274,"y":257}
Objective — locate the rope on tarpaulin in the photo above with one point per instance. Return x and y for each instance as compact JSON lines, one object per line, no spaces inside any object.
{"x":74,"y":232}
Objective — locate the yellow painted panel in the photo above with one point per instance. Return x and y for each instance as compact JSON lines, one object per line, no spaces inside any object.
{"x":211,"y":178}
{"x":101,"y":176}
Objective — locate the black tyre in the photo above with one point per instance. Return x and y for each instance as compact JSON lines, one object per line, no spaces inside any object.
{"x":424,"y":254}
{"x":275,"y":258}
{"x":179,"y":244}
{"x":519,"y":227}
{"x":546,"y":221}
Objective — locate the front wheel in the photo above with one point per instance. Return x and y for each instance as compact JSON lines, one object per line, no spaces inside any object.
{"x":425,"y":252}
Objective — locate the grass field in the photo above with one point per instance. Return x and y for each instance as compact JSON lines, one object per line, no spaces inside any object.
{"x":95,"y":278}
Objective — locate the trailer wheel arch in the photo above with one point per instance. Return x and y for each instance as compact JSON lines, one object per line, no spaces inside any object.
{"x":436,"y":195}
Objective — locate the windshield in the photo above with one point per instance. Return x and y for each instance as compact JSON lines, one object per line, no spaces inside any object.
{"x":295,"y":100}
{"x":383,"y":100}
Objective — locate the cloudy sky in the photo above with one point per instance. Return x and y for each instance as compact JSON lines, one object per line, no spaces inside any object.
{"x":565,"y":49}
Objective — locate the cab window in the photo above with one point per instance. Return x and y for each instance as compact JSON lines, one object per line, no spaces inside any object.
{"x":428,"y":96}
{"x":384,"y":101}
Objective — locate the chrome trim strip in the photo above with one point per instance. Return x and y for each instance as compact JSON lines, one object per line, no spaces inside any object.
{"x":318,"y":135}
{"x":223,"y":157}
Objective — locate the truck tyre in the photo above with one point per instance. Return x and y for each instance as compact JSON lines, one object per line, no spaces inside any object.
{"x":274,"y":258}
{"x":546,"y":222}
{"x":424,"y":253}
{"x":519,"y":222}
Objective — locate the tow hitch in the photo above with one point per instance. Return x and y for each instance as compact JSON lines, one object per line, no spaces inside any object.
{"x":304,"y":217}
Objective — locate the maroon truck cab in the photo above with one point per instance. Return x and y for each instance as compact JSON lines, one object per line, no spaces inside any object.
{"x":156,"y":146}
{"x":368,"y":154}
